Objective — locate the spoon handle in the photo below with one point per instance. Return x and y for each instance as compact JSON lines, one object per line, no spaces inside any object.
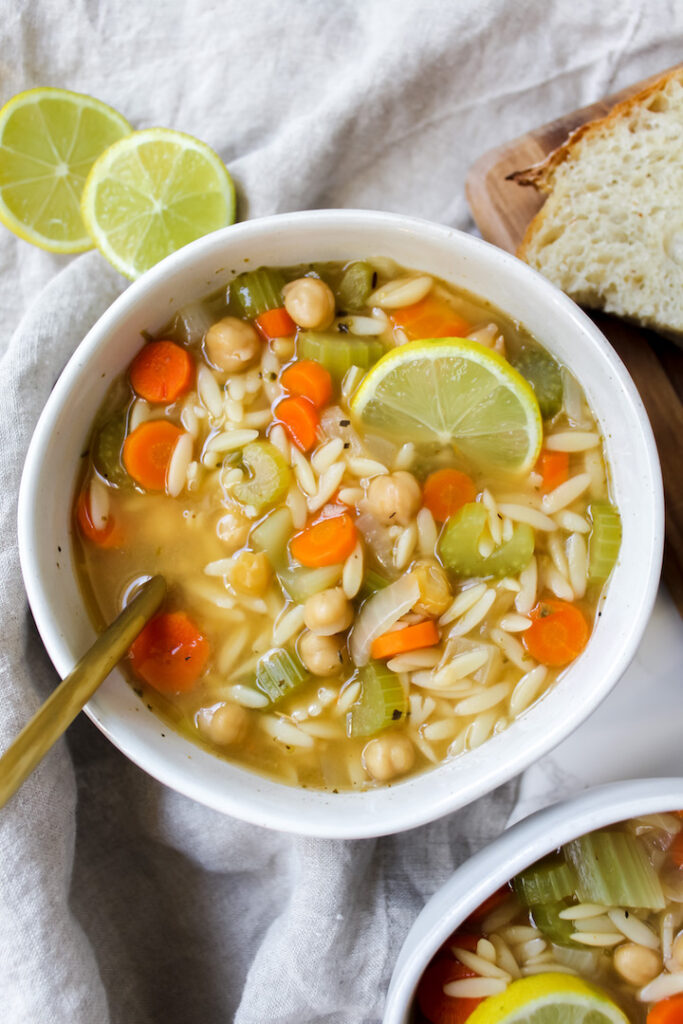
{"x":64,"y":703}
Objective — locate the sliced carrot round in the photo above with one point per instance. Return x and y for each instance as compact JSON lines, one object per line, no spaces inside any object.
{"x":275,"y":323}
{"x":446,"y":491}
{"x":434,"y":1004}
{"x":309,"y":380}
{"x":667,"y":1011}
{"x":170,"y":653}
{"x":558,"y":633}
{"x":676,"y":850}
{"x":300,"y":419}
{"x":107,"y":536}
{"x":554,"y":468}
{"x":162,"y":372}
{"x":327,"y":542}
{"x":399,"y":641}
{"x":147,"y":452}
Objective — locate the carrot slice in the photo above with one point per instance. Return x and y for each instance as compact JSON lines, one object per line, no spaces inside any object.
{"x":676,"y":850}
{"x":558,"y":633}
{"x":308,"y":379}
{"x":107,"y":536}
{"x":412,"y":638}
{"x":275,"y":323}
{"x":430,"y":318}
{"x":436,"y":1006}
{"x":668,"y":1011}
{"x":170,"y":653}
{"x":327,"y":542}
{"x":554,"y":468}
{"x":446,"y":491}
{"x":300,"y":419}
{"x":147,"y":453}
{"x":162,"y":372}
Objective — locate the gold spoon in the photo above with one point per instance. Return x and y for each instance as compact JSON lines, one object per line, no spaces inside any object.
{"x":62,"y":706}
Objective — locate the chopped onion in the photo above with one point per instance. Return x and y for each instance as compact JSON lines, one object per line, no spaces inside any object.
{"x":377,"y":538}
{"x":192,"y":322}
{"x":379,"y":613}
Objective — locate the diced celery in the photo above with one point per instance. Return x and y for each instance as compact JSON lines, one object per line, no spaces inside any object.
{"x":337,"y":352}
{"x":546,"y":917}
{"x":459,"y":545}
{"x":269,"y":479}
{"x":372,"y":582}
{"x":382,"y":701}
{"x":604,"y":541}
{"x":547,"y":881}
{"x":272,"y":534}
{"x":107,"y":451}
{"x":301,"y":583}
{"x":545,"y":377}
{"x":278,"y":673}
{"x":612,"y":869}
{"x":258,"y":290}
{"x":355,"y":286}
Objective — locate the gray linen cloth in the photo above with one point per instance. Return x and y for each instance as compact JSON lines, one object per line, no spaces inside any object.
{"x":121,"y":901}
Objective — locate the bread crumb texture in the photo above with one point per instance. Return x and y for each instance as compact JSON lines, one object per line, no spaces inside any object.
{"x":610,"y":233}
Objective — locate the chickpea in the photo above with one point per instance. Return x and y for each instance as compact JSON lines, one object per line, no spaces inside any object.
{"x":388,"y":756}
{"x":395,"y":498}
{"x":250,"y":573}
{"x":322,"y":655}
{"x":637,"y":964}
{"x":224,"y":725}
{"x":328,"y":612}
{"x":232,"y":344}
{"x":233,"y":529}
{"x":435,"y":590}
{"x":309,"y":302}
{"x":677,"y":950}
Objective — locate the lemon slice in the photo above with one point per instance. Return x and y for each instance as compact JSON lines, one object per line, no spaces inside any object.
{"x":550,"y":998}
{"x":454,"y":390}
{"x":49,"y":140}
{"x":152,"y":193}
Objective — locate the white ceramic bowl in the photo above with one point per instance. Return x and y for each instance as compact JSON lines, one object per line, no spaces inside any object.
{"x":52,"y":465}
{"x":501,"y":860}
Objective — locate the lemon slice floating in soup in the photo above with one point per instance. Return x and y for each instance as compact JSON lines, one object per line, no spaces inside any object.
{"x":549,"y":999}
{"x":49,"y":140}
{"x":152,"y":193}
{"x":452,"y":390}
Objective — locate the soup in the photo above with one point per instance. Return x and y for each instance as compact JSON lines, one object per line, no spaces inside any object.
{"x":380,"y":550}
{"x":601,"y":920}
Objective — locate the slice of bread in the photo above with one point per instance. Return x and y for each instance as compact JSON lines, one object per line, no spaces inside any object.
{"x":610,"y":233}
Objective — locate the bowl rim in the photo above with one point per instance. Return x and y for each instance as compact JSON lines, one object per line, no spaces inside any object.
{"x":515,"y":849}
{"x":322,"y":819}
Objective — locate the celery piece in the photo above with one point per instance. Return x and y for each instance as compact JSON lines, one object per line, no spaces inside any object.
{"x":278,"y":673}
{"x":269,"y":479}
{"x":337,"y":352}
{"x":613,"y":869}
{"x":458,"y":545}
{"x":106,"y":454}
{"x":382,"y":701}
{"x":258,"y":290}
{"x":301,"y":583}
{"x":604,"y":541}
{"x":547,"y":881}
{"x":372,"y":582}
{"x":355,"y":286}
{"x":543,"y":373}
{"x":546,"y":917}
{"x":272,"y":534}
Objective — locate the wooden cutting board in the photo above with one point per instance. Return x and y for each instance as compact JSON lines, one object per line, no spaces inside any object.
{"x":502,"y":210}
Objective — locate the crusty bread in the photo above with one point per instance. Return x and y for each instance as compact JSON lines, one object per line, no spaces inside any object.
{"x":610,"y":233}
